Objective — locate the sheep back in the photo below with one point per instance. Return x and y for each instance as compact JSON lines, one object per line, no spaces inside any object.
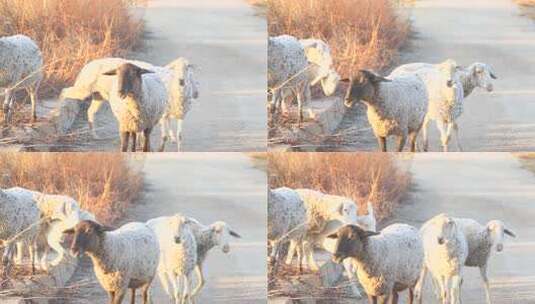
{"x":20,"y":58}
{"x":286,"y":214}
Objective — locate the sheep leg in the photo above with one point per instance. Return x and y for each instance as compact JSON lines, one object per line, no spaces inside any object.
{"x":419,"y":285}
{"x":483,"y":271}
{"x":20,"y":253}
{"x":351,"y":277}
{"x":185,"y":290}
{"x":145,"y":293}
{"x":32,"y":257}
{"x":178,"y":138}
{"x":457,"y":140}
{"x":165,"y":283}
{"x":456,"y":289}
{"x":395,"y":297}
{"x":54,"y":241}
{"x":164,"y":129}
{"x":134,"y":141}
{"x":444,"y":137}
{"x":300,"y":108}
{"x":8,"y":106}
{"x":176,"y":281}
{"x":133,"y":296}
{"x":412,"y":140}
{"x":200,"y":281}
{"x":146,"y":143}
{"x":382,"y":143}
{"x":119,"y":296}
{"x":94,"y":108}
{"x":300,"y":256}
{"x":308,"y":251}
{"x":401,"y":142}
{"x":425,"y":135}
{"x":124,"y":141}
{"x":33,"y":97}
{"x":44,"y":258}
{"x":291,"y":252}
{"x":411,"y":295}
{"x":372,"y":299}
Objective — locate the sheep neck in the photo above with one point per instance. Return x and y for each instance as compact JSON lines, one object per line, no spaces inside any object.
{"x":205,"y":242}
{"x":467,"y":82}
{"x":366,"y":260}
{"x":101,"y":257}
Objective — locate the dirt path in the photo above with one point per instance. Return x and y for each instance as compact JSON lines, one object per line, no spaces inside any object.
{"x":214,"y":187}
{"x":484,"y":187}
{"x":227,"y":42}
{"x":490,"y":31}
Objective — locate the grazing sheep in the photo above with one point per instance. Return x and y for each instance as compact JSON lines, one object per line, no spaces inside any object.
{"x":138,"y":100}
{"x":286,"y":220}
{"x":319,"y":57}
{"x":325,"y":213}
{"x":446,"y":250}
{"x":397,"y":105}
{"x":387,"y":262}
{"x":207,"y":237}
{"x":19,"y":224}
{"x":288,"y":72}
{"x":125,"y":258}
{"x":21,"y":64}
{"x":178,"y":255}
{"x":481,"y":240}
{"x":445,"y":97}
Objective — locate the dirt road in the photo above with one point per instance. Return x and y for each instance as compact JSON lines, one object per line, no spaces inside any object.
{"x":484,"y":187}
{"x":227,"y":42}
{"x":208,"y":187}
{"x":490,"y":31}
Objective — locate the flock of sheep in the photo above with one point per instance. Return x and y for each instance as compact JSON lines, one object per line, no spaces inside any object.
{"x":140,"y":94}
{"x":386,"y":262}
{"x":400,"y":104}
{"x":173,"y":247}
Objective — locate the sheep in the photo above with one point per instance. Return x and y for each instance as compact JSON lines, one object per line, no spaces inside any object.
{"x":21,"y":64}
{"x":178,"y":254}
{"x":123,"y":258}
{"x":318,"y":54}
{"x":445,"y":97}
{"x":178,"y":77}
{"x":138,"y":100}
{"x":446,"y":250}
{"x":19,"y":220}
{"x":325,"y":213}
{"x":387,"y":262}
{"x":397,"y":105}
{"x":481,"y":241}
{"x":207,"y":237}
{"x":286,"y":220}
{"x":287,"y":72}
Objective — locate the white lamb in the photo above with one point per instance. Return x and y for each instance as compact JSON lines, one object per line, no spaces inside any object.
{"x":387,"y":262}
{"x":217,"y":234}
{"x":446,"y":250}
{"x":481,"y":241}
{"x":178,"y":255}
{"x":397,"y":105}
{"x":125,"y":258}
{"x":286,"y":220}
{"x":138,"y":100}
{"x":21,"y":64}
{"x":19,"y":223}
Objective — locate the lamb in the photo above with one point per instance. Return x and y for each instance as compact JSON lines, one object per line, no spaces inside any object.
{"x":19,"y":220}
{"x":178,"y":255}
{"x":446,"y":250}
{"x":481,"y":241}
{"x":21,"y":64}
{"x":217,"y":234}
{"x":397,"y":105}
{"x":286,"y":220}
{"x":319,"y":57}
{"x":138,"y":100}
{"x":178,"y":77}
{"x":387,"y":262}
{"x":123,"y":258}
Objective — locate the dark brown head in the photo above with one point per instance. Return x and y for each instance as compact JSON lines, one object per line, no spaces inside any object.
{"x":129,"y":79}
{"x":362,"y":86}
{"x":350,"y":241}
{"x":88,"y":236}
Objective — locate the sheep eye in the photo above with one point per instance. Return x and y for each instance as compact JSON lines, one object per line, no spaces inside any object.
{"x":182,"y":82}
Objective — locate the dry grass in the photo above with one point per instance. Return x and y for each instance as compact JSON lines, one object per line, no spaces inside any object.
{"x":72,"y":32}
{"x":361,"y":176}
{"x":525,"y":2}
{"x":361,"y":33}
{"x":104,"y":183}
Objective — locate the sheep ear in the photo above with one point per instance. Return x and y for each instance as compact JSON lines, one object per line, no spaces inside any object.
{"x":493,"y":76}
{"x":144,"y":71}
{"x":68,"y":231}
{"x":111,"y":73}
{"x":367,"y":234}
{"x":235,"y":234}
{"x":340,"y":209}
{"x":333,"y":235}
{"x":509,"y":233}
{"x":374,"y":78}
{"x":345,"y":80}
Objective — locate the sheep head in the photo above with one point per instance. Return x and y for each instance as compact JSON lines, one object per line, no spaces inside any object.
{"x":129,"y":79}
{"x":496,"y":230}
{"x":350,"y":240}
{"x":88,"y":236}
{"x":222,"y":234}
{"x":362,"y":86}
{"x":482,"y":75}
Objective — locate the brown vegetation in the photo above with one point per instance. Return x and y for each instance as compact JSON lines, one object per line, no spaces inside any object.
{"x":72,"y":32}
{"x":361,"y":177}
{"x":104,"y":183}
{"x":361,"y":33}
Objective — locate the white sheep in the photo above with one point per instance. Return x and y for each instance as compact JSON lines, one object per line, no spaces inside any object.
{"x":178,"y":255}
{"x":397,"y":105}
{"x":19,"y":224}
{"x":138,"y":100}
{"x":446,"y":250}
{"x":21,"y":64}
{"x":386,"y":262}
{"x":322,"y":71}
{"x":286,"y":220}
{"x":125,"y":258}
{"x":217,"y":234}
{"x":481,"y":241}
{"x":288,"y":72}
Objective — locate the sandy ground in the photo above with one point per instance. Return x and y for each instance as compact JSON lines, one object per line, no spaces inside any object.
{"x":227,"y":42}
{"x":221,"y":186}
{"x":490,"y":31}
